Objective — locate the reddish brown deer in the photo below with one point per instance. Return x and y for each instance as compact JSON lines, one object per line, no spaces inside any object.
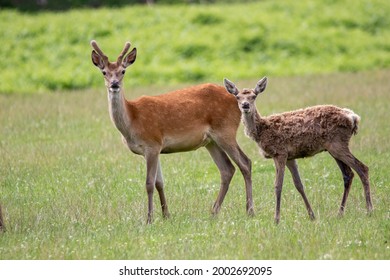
{"x":183,"y":120}
{"x":302,"y":133}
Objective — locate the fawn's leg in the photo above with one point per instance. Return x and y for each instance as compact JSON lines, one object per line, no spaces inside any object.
{"x":293,"y":167}
{"x":347,"y":177}
{"x":280,"y":164}
{"x":344,"y":155}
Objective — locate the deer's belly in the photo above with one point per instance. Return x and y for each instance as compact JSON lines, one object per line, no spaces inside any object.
{"x":183,"y":143}
{"x":302,"y":151}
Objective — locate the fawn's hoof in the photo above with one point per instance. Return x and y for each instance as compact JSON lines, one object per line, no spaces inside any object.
{"x":250,"y":212}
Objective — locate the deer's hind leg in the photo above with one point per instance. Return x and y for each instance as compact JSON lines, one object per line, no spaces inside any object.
{"x":347,"y":177}
{"x":230,"y":147}
{"x":343,"y":154}
{"x":293,"y":167}
{"x":226,"y":169}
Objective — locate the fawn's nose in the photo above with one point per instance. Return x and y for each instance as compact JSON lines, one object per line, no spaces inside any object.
{"x":245,"y":105}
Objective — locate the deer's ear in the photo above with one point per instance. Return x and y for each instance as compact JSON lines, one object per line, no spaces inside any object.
{"x":97,"y":60}
{"x":130,"y":58}
{"x":230,"y":87}
{"x":261,"y":85}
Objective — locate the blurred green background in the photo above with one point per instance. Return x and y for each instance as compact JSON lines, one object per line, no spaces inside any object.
{"x":35,"y":5}
{"x":71,"y":190}
{"x":48,"y":50}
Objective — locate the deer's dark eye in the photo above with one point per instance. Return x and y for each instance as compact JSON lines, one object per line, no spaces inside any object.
{"x":104,"y":73}
{"x":123,"y":72}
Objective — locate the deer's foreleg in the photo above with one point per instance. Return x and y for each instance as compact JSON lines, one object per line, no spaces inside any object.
{"x":151,"y":172}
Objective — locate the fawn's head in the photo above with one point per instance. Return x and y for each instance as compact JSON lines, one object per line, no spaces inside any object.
{"x":113,"y":72}
{"x":246,"y":97}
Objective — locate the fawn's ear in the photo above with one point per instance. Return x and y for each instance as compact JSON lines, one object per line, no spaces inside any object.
{"x":261,"y":85}
{"x":97,"y":60}
{"x":230,"y":87}
{"x":130,"y":58}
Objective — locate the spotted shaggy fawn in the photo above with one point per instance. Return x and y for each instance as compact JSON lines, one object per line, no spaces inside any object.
{"x":302,"y":133}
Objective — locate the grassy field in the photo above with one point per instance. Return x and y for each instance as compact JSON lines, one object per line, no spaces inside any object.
{"x":47,"y":51}
{"x":71,"y":190}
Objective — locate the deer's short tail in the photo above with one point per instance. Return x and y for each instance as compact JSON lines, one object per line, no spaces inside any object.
{"x":355,"y":120}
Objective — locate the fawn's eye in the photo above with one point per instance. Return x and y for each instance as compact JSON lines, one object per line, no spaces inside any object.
{"x":123,"y":72}
{"x":104,"y":73}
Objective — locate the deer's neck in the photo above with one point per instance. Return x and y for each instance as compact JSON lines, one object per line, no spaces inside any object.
{"x":119,"y":113}
{"x":254,"y":125}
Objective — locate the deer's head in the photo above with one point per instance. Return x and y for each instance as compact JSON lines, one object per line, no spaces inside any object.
{"x":113,"y":72}
{"x":246,"y":98}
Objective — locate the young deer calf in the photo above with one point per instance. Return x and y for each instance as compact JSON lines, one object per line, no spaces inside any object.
{"x":302,"y":133}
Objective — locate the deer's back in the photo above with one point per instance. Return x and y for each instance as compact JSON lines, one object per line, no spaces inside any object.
{"x":202,"y":104}
{"x":306,"y":132}
{"x":322,"y":120}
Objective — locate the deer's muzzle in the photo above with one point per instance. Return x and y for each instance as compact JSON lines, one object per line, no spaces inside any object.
{"x":115,"y":86}
{"x":245,"y":107}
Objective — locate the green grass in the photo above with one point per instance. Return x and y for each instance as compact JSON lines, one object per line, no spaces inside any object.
{"x":71,"y":190}
{"x":45,"y":52}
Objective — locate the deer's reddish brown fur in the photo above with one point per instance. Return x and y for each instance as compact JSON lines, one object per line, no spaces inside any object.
{"x":288,"y":136}
{"x":183,"y":120}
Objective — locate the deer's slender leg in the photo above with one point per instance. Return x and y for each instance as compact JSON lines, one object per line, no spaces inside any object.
{"x":343,"y":154}
{"x":246,"y":171}
{"x":2,"y":226}
{"x":280,"y":164}
{"x":151,"y":158}
{"x":347,"y":177}
{"x":293,"y":167}
{"x":244,"y":164}
{"x":160,"y":189}
{"x":226,"y":170}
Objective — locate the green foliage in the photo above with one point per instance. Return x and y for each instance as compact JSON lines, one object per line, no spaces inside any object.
{"x":71,"y":190}
{"x":29,"y":5}
{"x":184,"y":44}
{"x":39,"y":5}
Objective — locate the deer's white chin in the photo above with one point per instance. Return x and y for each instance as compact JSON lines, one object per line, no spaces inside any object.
{"x":114,"y":90}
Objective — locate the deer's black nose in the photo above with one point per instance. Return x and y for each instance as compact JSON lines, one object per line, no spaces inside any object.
{"x":115,"y":85}
{"x":245,"y":105}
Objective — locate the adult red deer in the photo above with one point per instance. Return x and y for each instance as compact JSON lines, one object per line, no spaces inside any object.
{"x":183,"y":120}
